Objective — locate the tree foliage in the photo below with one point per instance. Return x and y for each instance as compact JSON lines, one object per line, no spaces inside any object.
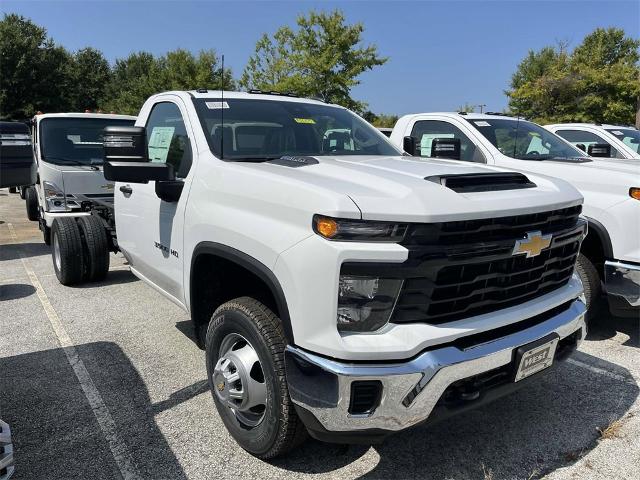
{"x":322,"y":58}
{"x":597,"y":82}
{"x":380,"y":120}
{"x":33,"y":71}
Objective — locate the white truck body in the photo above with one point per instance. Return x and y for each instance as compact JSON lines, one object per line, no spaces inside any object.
{"x":334,"y":240}
{"x":624,"y":140}
{"x":605,"y":184}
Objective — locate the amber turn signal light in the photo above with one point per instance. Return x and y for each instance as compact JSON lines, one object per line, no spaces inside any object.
{"x":327,"y":227}
{"x":634,"y":192}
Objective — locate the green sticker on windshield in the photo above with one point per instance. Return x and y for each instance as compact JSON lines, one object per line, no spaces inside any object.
{"x":159,"y":143}
{"x":309,"y":121}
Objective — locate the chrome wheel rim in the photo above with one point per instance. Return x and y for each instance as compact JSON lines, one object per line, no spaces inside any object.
{"x":56,"y":252}
{"x":238,"y":380}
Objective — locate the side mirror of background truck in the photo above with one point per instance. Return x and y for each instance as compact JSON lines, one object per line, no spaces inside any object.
{"x":446,"y":148}
{"x":599,"y":150}
{"x":409,"y":145}
{"x":126,"y":158}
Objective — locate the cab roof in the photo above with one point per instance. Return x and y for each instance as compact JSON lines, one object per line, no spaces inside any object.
{"x":252,"y":94}
{"x":110,"y":116}
{"x":585,"y":124}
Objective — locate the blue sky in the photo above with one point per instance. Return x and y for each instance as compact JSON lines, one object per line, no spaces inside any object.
{"x":441,"y":53}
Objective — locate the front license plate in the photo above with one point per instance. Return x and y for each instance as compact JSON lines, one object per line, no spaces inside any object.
{"x":535,"y":359}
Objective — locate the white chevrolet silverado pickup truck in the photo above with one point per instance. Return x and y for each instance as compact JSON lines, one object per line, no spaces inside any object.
{"x":610,"y":254}
{"x":339,"y":286}
{"x":618,"y":141}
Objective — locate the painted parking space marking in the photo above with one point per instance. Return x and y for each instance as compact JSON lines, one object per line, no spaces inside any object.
{"x":118,"y":448}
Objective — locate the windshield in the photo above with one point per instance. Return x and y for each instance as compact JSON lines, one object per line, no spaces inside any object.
{"x":525,"y":140}
{"x":74,"y":141}
{"x":628,"y":136}
{"x":257,"y":130}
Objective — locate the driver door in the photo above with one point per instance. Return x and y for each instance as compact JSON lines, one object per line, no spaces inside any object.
{"x":150,"y":230}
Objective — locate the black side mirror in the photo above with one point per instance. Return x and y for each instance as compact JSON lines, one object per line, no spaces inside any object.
{"x":446,"y":148}
{"x":126,"y":159}
{"x":409,"y":145}
{"x":599,"y":150}
{"x":581,"y":146}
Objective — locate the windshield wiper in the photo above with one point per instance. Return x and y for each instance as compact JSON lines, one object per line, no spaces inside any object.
{"x":70,"y":161}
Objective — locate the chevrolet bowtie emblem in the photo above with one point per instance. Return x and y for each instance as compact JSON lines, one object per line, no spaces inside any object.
{"x":533,"y":245}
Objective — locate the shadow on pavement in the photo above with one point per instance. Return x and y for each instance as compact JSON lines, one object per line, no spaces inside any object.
{"x":11,"y":251}
{"x":14,"y":291}
{"x":540,"y":428}
{"x":115,"y":277}
{"x":55,"y":432}
{"x":608,"y":326}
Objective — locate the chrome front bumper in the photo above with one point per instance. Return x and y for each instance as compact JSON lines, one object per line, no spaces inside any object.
{"x":411,"y":389}
{"x":623,"y":280}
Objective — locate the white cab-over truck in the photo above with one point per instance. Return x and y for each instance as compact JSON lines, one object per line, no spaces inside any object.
{"x":610,"y":254}
{"x":339,"y":286}
{"x":608,"y":141}
{"x":69,"y":182}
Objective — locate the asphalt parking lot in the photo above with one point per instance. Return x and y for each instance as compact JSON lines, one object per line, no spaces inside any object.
{"x":104,"y":381}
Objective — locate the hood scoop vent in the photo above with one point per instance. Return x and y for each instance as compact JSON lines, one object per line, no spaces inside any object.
{"x":482,"y":182}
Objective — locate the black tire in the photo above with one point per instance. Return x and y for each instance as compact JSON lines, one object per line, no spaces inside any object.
{"x":590,"y":281}
{"x":22,"y":190}
{"x":67,"y":251}
{"x":13,"y":189}
{"x":31,"y":201}
{"x":95,"y":247}
{"x":280,"y":430}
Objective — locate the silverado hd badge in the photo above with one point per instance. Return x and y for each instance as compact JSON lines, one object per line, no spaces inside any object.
{"x":533,"y":245}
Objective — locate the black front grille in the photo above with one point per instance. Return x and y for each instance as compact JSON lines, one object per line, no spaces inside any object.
{"x":461,"y":269}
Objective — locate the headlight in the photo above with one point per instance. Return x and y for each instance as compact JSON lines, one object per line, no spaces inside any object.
{"x":358,"y":230}
{"x":55,"y":198}
{"x":365,"y":304}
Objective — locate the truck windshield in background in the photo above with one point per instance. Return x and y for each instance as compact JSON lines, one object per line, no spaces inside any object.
{"x":525,"y":140}
{"x":628,"y":136}
{"x":74,"y":141}
{"x":255,"y":130}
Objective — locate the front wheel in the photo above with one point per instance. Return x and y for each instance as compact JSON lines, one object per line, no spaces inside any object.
{"x":590,"y":282}
{"x":245,"y":367}
{"x":67,"y":252}
{"x":31,"y":202}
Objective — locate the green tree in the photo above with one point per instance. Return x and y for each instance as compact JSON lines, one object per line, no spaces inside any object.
{"x":322,"y":58}
{"x":597,"y":82}
{"x":90,"y":74}
{"x":33,"y":70}
{"x":380,"y":120}
{"x":133,"y":80}
{"x":141,"y":75}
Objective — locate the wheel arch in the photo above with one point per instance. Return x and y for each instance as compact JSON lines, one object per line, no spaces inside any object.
{"x":211,"y":251}
{"x":597,"y":246}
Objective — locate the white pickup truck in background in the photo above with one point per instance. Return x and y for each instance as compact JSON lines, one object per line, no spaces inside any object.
{"x":620,"y":141}
{"x":339,"y":286}
{"x":610,"y":254}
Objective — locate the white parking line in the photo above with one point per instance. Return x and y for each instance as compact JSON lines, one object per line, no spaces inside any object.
{"x":118,"y":448}
{"x":601,"y":371}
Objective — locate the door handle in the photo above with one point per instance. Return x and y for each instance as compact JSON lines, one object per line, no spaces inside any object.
{"x":126,"y":189}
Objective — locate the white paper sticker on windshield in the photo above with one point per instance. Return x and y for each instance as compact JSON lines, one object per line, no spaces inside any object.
{"x":482,"y":123}
{"x":617,"y":132}
{"x":159,"y":143}
{"x":217,"y":105}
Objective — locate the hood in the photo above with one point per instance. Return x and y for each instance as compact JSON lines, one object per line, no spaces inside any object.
{"x":394,"y":188}
{"x":78,"y":180}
